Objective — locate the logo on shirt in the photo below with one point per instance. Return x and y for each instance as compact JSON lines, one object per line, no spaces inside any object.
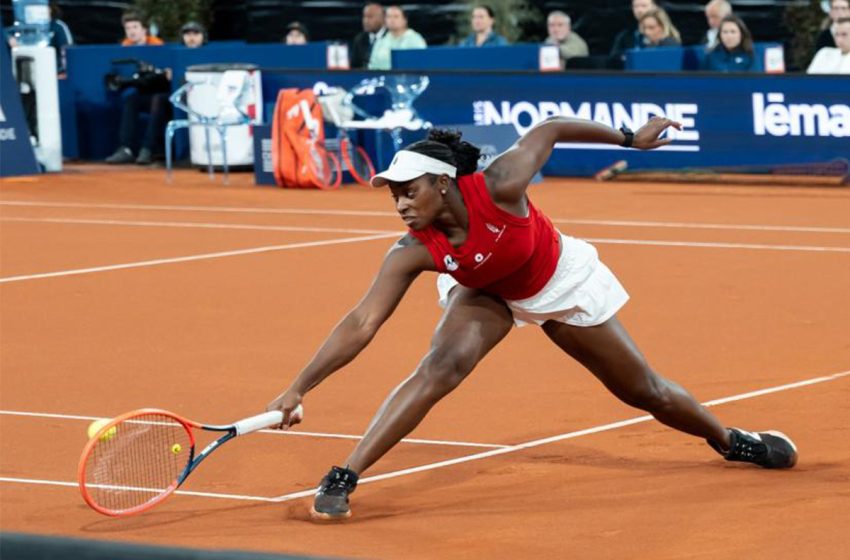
{"x":451,"y":264}
{"x":479,"y":257}
{"x":492,"y":228}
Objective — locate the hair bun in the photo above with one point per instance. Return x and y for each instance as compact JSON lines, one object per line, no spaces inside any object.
{"x":450,"y":138}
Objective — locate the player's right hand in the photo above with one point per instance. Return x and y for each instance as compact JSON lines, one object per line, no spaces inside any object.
{"x":286,"y":402}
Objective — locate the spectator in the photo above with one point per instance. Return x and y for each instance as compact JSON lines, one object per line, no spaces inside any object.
{"x":838,"y":9}
{"x":482,"y":34}
{"x":137,"y":98}
{"x":715,"y":11}
{"x":296,"y":34}
{"x":60,"y":36}
{"x":561,"y":34}
{"x":834,"y":60}
{"x":398,"y":37}
{"x":630,"y":38}
{"x":136,"y":32}
{"x":193,"y":35}
{"x":658,"y":30}
{"x":734,"y":50}
{"x":373,"y":29}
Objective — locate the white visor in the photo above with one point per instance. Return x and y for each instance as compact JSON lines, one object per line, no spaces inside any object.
{"x":407,"y":166}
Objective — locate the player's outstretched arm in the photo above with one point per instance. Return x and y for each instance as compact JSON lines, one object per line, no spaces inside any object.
{"x":402,"y":264}
{"x":509,"y":174}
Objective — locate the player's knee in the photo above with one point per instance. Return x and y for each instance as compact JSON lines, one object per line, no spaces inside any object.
{"x":443,"y":370}
{"x":650,"y":394}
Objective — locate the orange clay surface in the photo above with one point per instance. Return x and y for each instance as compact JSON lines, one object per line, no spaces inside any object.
{"x":734,"y":289}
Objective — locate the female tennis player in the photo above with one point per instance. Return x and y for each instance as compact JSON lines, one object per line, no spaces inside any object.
{"x":501,"y":263}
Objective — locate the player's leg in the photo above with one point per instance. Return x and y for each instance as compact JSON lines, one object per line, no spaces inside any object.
{"x":471,"y":326}
{"x":611,"y":355}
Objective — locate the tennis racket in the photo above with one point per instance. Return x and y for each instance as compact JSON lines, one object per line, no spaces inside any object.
{"x":140,"y":458}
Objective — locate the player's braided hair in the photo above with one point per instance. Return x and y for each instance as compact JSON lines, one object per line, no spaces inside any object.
{"x":446,"y":146}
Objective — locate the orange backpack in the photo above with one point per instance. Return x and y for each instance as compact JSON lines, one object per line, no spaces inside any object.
{"x":299,"y":157}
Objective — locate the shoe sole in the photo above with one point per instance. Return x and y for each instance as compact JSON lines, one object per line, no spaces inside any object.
{"x":319,"y":516}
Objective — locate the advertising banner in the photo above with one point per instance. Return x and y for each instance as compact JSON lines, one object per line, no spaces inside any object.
{"x":728,"y":121}
{"x":16,"y":153}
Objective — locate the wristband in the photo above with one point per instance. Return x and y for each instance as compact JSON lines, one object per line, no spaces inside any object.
{"x":630,"y":136}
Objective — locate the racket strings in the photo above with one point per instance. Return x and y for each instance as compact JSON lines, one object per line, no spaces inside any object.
{"x":139,"y":462}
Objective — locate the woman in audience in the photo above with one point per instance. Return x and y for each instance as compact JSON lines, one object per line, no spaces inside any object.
{"x":658,"y":30}
{"x":398,"y":37}
{"x":482,"y":21}
{"x":734,"y":49}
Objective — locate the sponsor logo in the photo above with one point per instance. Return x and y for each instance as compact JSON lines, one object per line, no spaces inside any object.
{"x":524,"y":114}
{"x":773,"y":117}
{"x":492,"y":228}
{"x":6,"y":133}
{"x":451,"y":264}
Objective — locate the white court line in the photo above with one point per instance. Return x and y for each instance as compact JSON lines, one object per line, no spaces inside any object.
{"x":201,"y":225}
{"x":275,"y":432}
{"x":183,"y":492}
{"x":598,"y":240}
{"x":698,"y":225}
{"x":486,"y":454}
{"x":189,"y":258}
{"x":385,"y":214}
{"x":713,"y":245}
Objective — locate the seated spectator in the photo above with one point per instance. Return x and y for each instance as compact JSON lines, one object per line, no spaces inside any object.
{"x":838,"y":9}
{"x":658,"y":30}
{"x":482,"y":34}
{"x":715,"y":11}
{"x":561,"y":34}
{"x":734,"y":50}
{"x":136,"y":32}
{"x":834,"y":60}
{"x":630,"y":38}
{"x":397,"y":37}
{"x":373,"y":29}
{"x":135,"y":100}
{"x":296,"y":34}
{"x":193,"y":35}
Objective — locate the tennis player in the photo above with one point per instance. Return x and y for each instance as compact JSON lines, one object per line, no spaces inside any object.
{"x":501,"y":263}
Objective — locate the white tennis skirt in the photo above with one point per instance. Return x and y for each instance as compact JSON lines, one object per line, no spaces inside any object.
{"x":582,"y":292}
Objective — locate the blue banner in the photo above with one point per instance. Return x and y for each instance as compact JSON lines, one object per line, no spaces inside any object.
{"x":16,"y":154}
{"x":729,"y":120}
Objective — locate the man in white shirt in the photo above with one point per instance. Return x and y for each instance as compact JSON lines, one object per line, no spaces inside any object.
{"x":715,"y":11}
{"x":836,"y":60}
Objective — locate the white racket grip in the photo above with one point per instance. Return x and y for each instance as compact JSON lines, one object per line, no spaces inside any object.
{"x":264,"y":420}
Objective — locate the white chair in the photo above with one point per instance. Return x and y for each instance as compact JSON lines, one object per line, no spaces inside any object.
{"x":212,"y":107}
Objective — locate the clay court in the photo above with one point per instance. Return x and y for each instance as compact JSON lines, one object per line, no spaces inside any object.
{"x":120,"y":291}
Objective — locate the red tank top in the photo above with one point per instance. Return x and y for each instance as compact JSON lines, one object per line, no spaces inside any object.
{"x":503,"y":254}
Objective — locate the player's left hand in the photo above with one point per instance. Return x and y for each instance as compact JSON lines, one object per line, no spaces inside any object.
{"x":646,"y":137}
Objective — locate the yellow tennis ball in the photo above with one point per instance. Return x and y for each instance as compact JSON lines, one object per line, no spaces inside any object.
{"x":97,"y":425}
{"x":176,"y":448}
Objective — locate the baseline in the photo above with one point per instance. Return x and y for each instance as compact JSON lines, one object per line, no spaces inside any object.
{"x":376,"y":213}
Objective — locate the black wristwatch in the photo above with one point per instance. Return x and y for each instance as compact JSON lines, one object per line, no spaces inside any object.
{"x":630,"y":136}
